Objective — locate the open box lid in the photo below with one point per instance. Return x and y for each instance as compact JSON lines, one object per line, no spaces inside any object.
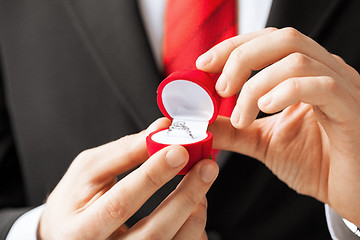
{"x":189,"y":96}
{"x":190,"y":101}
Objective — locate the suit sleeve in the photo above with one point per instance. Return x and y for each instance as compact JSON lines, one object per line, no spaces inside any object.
{"x":12,"y":199}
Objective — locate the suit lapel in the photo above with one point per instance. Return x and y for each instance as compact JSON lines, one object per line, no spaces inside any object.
{"x":311,"y":17}
{"x":113,"y":32}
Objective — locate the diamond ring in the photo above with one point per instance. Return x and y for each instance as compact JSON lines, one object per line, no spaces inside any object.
{"x":180,"y":125}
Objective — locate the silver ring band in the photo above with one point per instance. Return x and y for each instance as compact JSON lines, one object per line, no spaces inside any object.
{"x":180,"y":125}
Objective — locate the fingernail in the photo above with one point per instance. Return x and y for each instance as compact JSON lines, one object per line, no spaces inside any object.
{"x":204,"y":59}
{"x":208,"y":173}
{"x":265,"y":100}
{"x":175,"y":157}
{"x":221,"y":83}
{"x":235,"y":116}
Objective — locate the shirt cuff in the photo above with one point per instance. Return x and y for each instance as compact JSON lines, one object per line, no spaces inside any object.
{"x":25,"y":227}
{"x":338,"y":229}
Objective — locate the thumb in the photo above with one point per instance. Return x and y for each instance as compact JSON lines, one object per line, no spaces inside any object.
{"x":158,"y":124}
{"x":250,"y":141}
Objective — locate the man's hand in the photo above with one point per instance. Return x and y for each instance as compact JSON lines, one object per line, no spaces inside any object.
{"x":89,"y":203}
{"x":313,"y":144}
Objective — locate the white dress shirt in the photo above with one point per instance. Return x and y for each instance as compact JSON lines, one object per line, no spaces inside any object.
{"x":252,"y":16}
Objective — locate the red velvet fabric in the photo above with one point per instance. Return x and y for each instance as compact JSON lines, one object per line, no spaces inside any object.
{"x":201,"y":149}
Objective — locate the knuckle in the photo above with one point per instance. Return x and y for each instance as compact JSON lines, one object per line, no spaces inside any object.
{"x":272,"y":29}
{"x":231,"y":43}
{"x":84,"y":158}
{"x":189,"y":199}
{"x":248,"y":87}
{"x":239,"y":54}
{"x":349,"y":69}
{"x":290,"y":33}
{"x":152,"y":178}
{"x":116,"y":209}
{"x":85,"y":155}
{"x":352,"y":71}
{"x":295,"y":87}
{"x":198,"y":218}
{"x":298,"y":62}
{"x":330,"y":84}
{"x":338,"y":58}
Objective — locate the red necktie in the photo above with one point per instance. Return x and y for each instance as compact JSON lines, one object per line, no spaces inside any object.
{"x":191,"y":28}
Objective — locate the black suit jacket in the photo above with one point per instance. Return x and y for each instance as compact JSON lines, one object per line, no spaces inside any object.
{"x":78,"y":73}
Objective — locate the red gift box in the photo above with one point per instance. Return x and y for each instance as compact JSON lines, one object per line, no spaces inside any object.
{"x":188,"y":99}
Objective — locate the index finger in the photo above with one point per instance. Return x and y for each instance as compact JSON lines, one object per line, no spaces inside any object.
{"x":114,"y":158}
{"x":263,"y":51}
{"x":214,"y":59}
{"x":118,"y":204}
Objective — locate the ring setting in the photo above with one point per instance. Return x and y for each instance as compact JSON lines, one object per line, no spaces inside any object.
{"x":180,"y":126}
